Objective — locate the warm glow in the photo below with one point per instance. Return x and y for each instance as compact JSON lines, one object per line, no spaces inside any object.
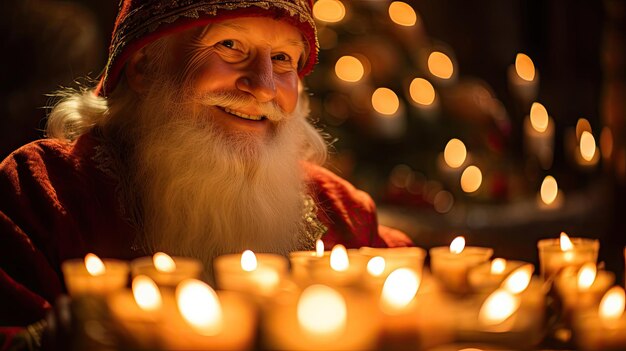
{"x":586,"y":275}
{"x":329,"y":10}
{"x":524,"y":67}
{"x":402,"y":13}
{"x":321,"y":310}
{"x":163,"y":262}
{"x":199,"y":306}
{"x":582,"y":125}
{"x":565,"y":242}
{"x":519,"y":279}
{"x":94,"y":264}
{"x":499,"y":306}
{"x":455,"y":153}
{"x":349,"y":68}
{"x":339,"y":258}
{"x":471,"y":179}
{"x":376,"y":266}
{"x":422,"y":92}
{"x":248,"y":261}
{"x":549,"y":190}
{"x":457,"y":245}
{"x":385,"y":101}
{"x":612,"y":304}
{"x":146,"y":293}
{"x":498,"y":265}
{"x":266,"y":279}
{"x":440,"y":65}
{"x":587,"y":146}
{"x":319,"y":248}
{"x":399,"y":289}
{"x":539,"y":117}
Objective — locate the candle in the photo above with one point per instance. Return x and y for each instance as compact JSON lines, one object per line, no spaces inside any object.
{"x":523,"y":80}
{"x":301,"y":262}
{"x":340,"y":268}
{"x":582,"y":288}
{"x":260,"y":275}
{"x":488,"y":276}
{"x":556,"y":254}
{"x":92,"y":275}
{"x":383,"y":261}
{"x":539,"y":135}
{"x":321,"y":318}
{"x":166,"y":271}
{"x":604,"y":327}
{"x":450,"y":265}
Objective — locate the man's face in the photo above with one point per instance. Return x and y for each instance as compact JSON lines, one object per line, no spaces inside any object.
{"x":253,"y":61}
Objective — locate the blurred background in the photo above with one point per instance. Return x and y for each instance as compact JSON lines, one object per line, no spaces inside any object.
{"x":502,"y":121}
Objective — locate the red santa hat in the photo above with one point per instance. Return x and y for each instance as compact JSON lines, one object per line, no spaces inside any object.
{"x":140,"y":22}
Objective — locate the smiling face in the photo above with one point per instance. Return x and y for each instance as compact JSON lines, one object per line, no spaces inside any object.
{"x":242,"y":73}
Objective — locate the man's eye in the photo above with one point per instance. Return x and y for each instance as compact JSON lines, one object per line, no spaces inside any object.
{"x":282,"y":57}
{"x":228,"y":43}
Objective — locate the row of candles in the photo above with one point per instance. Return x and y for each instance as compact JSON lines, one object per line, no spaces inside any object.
{"x":359,"y":298}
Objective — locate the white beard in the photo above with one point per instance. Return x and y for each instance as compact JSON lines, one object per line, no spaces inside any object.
{"x":205,"y":192}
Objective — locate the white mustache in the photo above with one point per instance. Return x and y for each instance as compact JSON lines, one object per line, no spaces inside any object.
{"x":239,"y":102}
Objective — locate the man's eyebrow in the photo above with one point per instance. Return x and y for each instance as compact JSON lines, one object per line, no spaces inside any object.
{"x":300,"y":43}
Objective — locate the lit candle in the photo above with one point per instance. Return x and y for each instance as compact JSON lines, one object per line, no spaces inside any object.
{"x":604,"y":327}
{"x":582,"y":288}
{"x":165,"y":270}
{"x":92,"y":275}
{"x":488,"y":276}
{"x":556,"y":254}
{"x":539,"y":135}
{"x":301,"y":262}
{"x":341,"y":268}
{"x":523,"y":80}
{"x":450,"y":265}
{"x":383,"y":261}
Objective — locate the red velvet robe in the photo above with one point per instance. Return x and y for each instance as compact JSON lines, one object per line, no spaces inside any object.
{"x":57,"y":202}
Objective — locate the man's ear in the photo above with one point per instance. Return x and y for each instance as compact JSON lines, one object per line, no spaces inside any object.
{"x":135,"y":71}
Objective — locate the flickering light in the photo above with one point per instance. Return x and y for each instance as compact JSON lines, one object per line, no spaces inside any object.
{"x":440,"y":65}
{"x":399,"y":289}
{"x":457,"y":245}
{"x":565,"y":242}
{"x":146,"y":293}
{"x":248,"y":261}
{"x":586,"y":275}
{"x":319,"y":248}
{"x":385,"y":101}
{"x":612,"y":304}
{"x":498,"y":307}
{"x":94,"y":264}
{"x":163,"y":262}
{"x":498,"y":265}
{"x":339,"y":258}
{"x":549,"y":190}
{"x":519,"y":279}
{"x":524,"y":67}
{"x":321,"y":310}
{"x":422,"y":92}
{"x":455,"y":153}
{"x":582,"y":125}
{"x":349,"y":69}
{"x":199,"y":306}
{"x":539,"y":117}
{"x":471,"y":179}
{"x":402,"y":14}
{"x":330,"y":11}
{"x":587,"y":146}
{"x":376,"y":266}
{"x":606,"y":142}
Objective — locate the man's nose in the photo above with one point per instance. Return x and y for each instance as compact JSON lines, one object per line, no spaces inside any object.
{"x":258,"y":78}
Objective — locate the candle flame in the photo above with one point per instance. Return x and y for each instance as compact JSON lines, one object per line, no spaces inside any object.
{"x":399,"y":289}
{"x":422,"y":91}
{"x":498,"y":265}
{"x":455,"y":153}
{"x":339,"y":258}
{"x":539,"y":117}
{"x":582,"y":125}
{"x":440,"y":65}
{"x":200,"y":307}
{"x":94,"y":264}
{"x":586,"y":275}
{"x":457,"y":245}
{"x":498,"y":307}
{"x":524,"y":67}
{"x":402,"y":13}
{"x":385,"y":101}
{"x":612,"y":304}
{"x":146,"y":293}
{"x":519,"y":279}
{"x":248,"y":261}
{"x":163,"y":262}
{"x":549,"y":190}
{"x":566,"y":243}
{"x":376,"y":266}
{"x":471,"y":179}
{"x":319,"y":248}
{"x":587,"y":146}
{"x":330,"y":11}
{"x":321,"y":310}
{"x":349,"y":69}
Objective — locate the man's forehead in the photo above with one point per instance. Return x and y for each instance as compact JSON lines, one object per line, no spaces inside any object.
{"x":241,"y":26}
